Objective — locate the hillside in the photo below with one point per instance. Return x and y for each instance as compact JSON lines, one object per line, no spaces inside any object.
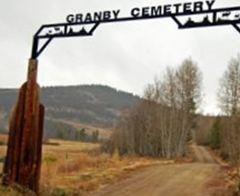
{"x":95,"y":105}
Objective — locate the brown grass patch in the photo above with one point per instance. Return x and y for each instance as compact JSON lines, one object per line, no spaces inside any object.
{"x":82,"y":167}
{"x":87,"y":172}
{"x":75,"y":167}
{"x":221,"y":184}
{"x":3,"y":138}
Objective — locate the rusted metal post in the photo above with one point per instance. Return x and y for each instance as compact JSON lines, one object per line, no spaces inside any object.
{"x":23,"y":161}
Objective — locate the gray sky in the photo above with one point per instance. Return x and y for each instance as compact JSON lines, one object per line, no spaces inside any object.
{"x":126,"y":56}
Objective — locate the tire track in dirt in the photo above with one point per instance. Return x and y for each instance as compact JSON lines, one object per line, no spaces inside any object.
{"x":168,"y":180}
{"x":201,"y":154}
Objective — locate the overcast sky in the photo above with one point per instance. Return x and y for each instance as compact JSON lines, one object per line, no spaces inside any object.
{"x":126,"y":56}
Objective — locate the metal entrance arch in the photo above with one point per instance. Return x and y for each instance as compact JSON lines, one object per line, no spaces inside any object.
{"x":62,"y":30}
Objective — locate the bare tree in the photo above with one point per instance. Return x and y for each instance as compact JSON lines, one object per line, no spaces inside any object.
{"x":189,"y":80}
{"x":229,"y":102}
{"x":188,"y":83}
{"x":229,"y":91}
{"x":160,"y":124}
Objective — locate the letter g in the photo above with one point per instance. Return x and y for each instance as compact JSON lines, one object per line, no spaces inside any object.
{"x":70,"y":18}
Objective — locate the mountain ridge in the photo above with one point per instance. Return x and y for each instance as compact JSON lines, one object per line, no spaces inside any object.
{"x":96,"y":105}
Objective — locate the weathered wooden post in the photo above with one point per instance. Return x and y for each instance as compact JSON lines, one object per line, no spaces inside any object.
{"x":23,"y":161}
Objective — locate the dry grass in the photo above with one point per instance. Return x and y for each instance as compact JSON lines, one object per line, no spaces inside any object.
{"x":3,"y":149}
{"x":226,"y":182}
{"x":75,"y":167}
{"x":3,"y":138}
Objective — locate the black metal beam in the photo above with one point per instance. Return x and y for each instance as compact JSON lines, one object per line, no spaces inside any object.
{"x":94,"y":28}
{"x":34,"y":47}
{"x":199,"y":25}
{"x":236,"y":27}
{"x":177,"y":21}
{"x":62,"y":36}
{"x":44,"y":46}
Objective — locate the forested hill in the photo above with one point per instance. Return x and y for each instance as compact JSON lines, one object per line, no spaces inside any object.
{"x":88,"y":104}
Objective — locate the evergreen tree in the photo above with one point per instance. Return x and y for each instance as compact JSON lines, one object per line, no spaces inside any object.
{"x":215,"y":135}
{"x":81,"y":135}
{"x":95,"y":136}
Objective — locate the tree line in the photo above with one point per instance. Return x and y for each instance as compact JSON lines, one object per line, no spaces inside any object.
{"x":64,"y":131}
{"x":162,"y":123}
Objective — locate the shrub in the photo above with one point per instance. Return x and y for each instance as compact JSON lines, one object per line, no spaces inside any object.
{"x":215,"y":135}
{"x":50,"y":159}
{"x":2,"y":159}
{"x":59,"y":192}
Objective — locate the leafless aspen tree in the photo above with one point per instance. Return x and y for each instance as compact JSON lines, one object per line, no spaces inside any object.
{"x":188,"y":83}
{"x":229,"y":91}
{"x":160,"y":124}
{"x":229,"y":102}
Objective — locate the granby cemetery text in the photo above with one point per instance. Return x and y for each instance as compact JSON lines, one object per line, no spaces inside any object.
{"x":137,"y":12}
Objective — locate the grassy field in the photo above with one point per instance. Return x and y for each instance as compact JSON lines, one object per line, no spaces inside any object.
{"x":75,"y":168}
{"x":3,"y":148}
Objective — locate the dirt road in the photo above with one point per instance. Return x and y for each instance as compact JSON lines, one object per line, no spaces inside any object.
{"x":201,"y":154}
{"x":168,"y":180}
